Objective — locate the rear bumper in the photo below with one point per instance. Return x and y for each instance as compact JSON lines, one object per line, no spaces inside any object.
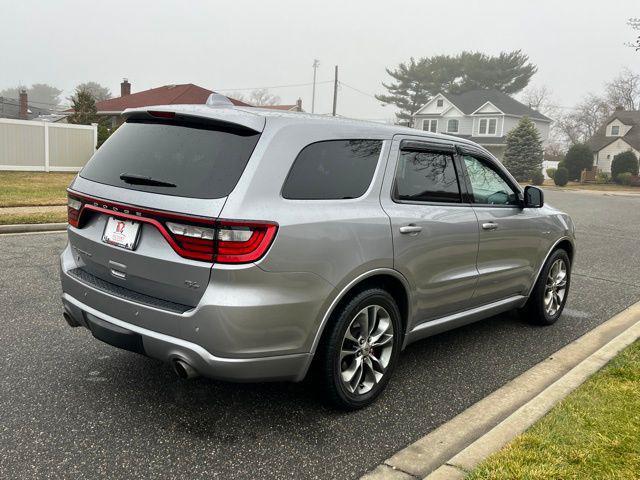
{"x":250,"y":325}
{"x":168,"y":349}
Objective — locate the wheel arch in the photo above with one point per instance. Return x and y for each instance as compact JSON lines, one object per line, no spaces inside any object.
{"x":566,"y":243}
{"x":388,"y":279}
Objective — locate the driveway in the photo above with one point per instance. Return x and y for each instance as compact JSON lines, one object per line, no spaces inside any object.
{"x":72,"y":407}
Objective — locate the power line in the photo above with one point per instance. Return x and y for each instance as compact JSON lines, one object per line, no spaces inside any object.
{"x":359,"y":91}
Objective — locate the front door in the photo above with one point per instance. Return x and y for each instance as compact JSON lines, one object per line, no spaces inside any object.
{"x":435,"y":234}
{"x":510,"y":236}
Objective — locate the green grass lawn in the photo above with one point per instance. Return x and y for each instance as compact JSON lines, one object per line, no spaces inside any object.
{"x":46,"y":217}
{"x":593,"y":434}
{"x":19,"y":189}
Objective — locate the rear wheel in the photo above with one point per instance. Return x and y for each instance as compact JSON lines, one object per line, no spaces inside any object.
{"x":549,"y":295}
{"x":360,"y":349}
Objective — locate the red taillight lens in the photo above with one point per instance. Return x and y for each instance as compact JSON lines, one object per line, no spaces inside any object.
{"x":73,"y":211}
{"x":196,"y":242}
{"x":243,"y":242}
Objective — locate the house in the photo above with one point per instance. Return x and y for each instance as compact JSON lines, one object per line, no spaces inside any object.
{"x":187,"y":93}
{"x":21,"y":109}
{"x":484,"y":116}
{"x":619,"y":133}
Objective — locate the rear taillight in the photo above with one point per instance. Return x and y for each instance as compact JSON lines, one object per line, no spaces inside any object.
{"x":227,"y":242}
{"x":243,"y":242}
{"x":73,"y":210}
{"x":196,"y":242}
{"x":196,"y":238}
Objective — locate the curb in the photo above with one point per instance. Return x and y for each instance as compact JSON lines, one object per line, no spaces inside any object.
{"x":456,"y":447}
{"x":33,"y":227}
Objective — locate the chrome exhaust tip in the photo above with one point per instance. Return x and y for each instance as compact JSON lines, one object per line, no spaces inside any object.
{"x":184,"y":370}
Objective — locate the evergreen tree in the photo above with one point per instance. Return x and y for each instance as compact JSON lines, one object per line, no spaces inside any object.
{"x":416,"y":81}
{"x":84,"y":108}
{"x":578,"y":157}
{"x":523,"y":155}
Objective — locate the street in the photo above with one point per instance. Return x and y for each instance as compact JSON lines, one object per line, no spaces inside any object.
{"x":72,"y":407}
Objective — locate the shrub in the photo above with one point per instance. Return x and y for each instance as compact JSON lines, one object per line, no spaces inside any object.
{"x":578,"y":157}
{"x":602,"y":178}
{"x":537,"y":178}
{"x":625,"y":162}
{"x":551,"y":172}
{"x":624,"y":178}
{"x":561,"y":177}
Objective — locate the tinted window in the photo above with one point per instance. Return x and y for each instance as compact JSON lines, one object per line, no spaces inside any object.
{"x":426,"y":177}
{"x":487,"y":186}
{"x":200,"y":162}
{"x":332,"y":170}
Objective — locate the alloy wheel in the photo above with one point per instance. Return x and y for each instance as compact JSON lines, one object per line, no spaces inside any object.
{"x":366,"y":349}
{"x":556,"y":287}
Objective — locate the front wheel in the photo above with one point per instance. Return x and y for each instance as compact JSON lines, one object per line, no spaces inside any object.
{"x":360,"y":349}
{"x":549,"y":295}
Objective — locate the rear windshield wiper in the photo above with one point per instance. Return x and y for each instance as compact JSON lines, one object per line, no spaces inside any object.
{"x":142,"y":180}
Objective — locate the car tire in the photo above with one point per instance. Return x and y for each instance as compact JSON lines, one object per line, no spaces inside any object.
{"x":354,"y":368}
{"x":549,"y":295}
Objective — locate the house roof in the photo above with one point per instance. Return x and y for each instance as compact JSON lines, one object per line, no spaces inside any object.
{"x":187,"y":93}
{"x":469,"y":102}
{"x":483,"y":140}
{"x":287,"y":108}
{"x":10,"y":108}
{"x":632,"y":137}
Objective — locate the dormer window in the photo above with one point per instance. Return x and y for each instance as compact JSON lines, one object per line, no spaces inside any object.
{"x":440,"y":103}
{"x":615,"y":130}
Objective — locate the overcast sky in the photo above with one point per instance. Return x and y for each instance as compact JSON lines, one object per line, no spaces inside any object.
{"x":232,"y":45}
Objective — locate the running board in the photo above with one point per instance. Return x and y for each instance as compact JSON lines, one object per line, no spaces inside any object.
{"x":439,"y":325}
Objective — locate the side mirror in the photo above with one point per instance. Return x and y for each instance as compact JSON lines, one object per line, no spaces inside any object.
{"x":533,"y":197}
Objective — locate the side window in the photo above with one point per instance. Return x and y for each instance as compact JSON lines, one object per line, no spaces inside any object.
{"x":487,"y":186}
{"x":426,"y":177}
{"x":334,"y":169}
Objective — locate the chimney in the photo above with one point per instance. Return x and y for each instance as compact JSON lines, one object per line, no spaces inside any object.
{"x":299,"y":105}
{"x":24,"y":107}
{"x":619,"y":108}
{"x":125,"y":88}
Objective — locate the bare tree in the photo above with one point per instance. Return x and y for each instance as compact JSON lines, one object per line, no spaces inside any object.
{"x":258,"y":97}
{"x":538,"y":98}
{"x":635,"y":24}
{"x":585,"y":119}
{"x":624,"y":90}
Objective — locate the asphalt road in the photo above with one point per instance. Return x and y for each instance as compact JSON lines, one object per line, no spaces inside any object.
{"x":72,"y":407}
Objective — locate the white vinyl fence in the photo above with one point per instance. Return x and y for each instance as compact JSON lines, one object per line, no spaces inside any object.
{"x":30,"y":145}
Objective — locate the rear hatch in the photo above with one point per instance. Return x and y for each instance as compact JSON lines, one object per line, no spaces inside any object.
{"x":144,"y":210}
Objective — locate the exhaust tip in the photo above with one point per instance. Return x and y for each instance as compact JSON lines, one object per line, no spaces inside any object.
{"x":70,"y":321}
{"x":184,"y":370}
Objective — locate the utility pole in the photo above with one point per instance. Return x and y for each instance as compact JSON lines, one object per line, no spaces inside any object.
{"x":316,"y":64}
{"x":335,"y":92}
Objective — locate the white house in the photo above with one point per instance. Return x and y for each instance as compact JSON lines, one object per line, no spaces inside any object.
{"x":484,"y":116}
{"x":621,"y":132}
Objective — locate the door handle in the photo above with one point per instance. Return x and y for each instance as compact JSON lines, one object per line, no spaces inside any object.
{"x":410,"y":229}
{"x":489,"y":226}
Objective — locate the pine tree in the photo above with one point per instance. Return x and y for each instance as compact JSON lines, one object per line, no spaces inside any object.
{"x":84,"y":108}
{"x":523,"y":156}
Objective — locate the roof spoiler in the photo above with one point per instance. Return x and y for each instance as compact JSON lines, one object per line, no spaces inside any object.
{"x":204,"y":114}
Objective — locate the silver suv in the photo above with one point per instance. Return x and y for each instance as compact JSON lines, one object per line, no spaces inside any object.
{"x":252,"y":245}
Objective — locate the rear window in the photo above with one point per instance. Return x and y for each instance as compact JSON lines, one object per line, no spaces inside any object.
{"x":190,"y":161}
{"x":331,"y":170}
